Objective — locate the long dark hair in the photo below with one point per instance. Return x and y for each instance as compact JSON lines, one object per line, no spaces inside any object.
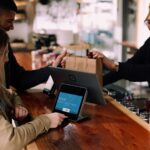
{"x":4,"y":38}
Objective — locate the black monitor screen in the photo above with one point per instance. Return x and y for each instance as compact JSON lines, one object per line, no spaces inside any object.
{"x":87,"y":80}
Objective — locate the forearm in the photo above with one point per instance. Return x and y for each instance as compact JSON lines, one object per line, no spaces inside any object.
{"x":29,"y":131}
{"x":28,"y":79}
{"x":108,"y":63}
{"x":134,"y":72}
{"x":18,"y":137}
{"x":111,"y":77}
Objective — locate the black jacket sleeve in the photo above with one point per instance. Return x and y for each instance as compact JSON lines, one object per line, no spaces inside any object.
{"x":142,"y":56}
{"x":135,"y":69}
{"x":111,"y":77}
{"x":22,"y":79}
{"x":134,"y":72}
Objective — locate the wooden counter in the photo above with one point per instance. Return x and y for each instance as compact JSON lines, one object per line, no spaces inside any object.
{"x":108,"y":129}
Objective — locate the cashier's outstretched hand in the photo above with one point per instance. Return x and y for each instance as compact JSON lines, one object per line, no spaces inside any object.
{"x":59,"y":60}
{"x":105,"y":60}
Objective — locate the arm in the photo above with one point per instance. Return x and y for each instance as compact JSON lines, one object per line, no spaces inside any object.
{"x":18,"y":137}
{"x":28,"y":79}
{"x":134,"y":69}
{"x":134,"y":72}
{"x":131,"y":72}
{"x":111,"y":77}
{"x":22,"y":79}
{"x":142,"y":54}
{"x":35,"y":77}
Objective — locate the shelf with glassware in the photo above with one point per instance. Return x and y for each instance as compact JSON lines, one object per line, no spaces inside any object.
{"x":21,"y":13}
{"x":20,"y":39}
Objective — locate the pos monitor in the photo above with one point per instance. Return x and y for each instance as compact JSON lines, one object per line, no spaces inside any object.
{"x":87,"y":80}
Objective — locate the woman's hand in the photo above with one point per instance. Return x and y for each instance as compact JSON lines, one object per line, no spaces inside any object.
{"x":20,"y":112}
{"x":55,"y":119}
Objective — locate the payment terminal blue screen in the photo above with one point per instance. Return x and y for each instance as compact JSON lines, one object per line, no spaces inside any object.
{"x":69,"y":103}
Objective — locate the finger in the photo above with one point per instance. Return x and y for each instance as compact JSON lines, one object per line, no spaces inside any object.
{"x":63,"y":54}
{"x":21,"y":112}
{"x":59,"y":123}
{"x":95,"y":56}
{"x":56,"y":61}
{"x":63,"y":62}
{"x":16,"y":112}
{"x":25,"y":112}
{"x":62,"y":116}
{"x":98,"y":55}
{"x":59,"y":59}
